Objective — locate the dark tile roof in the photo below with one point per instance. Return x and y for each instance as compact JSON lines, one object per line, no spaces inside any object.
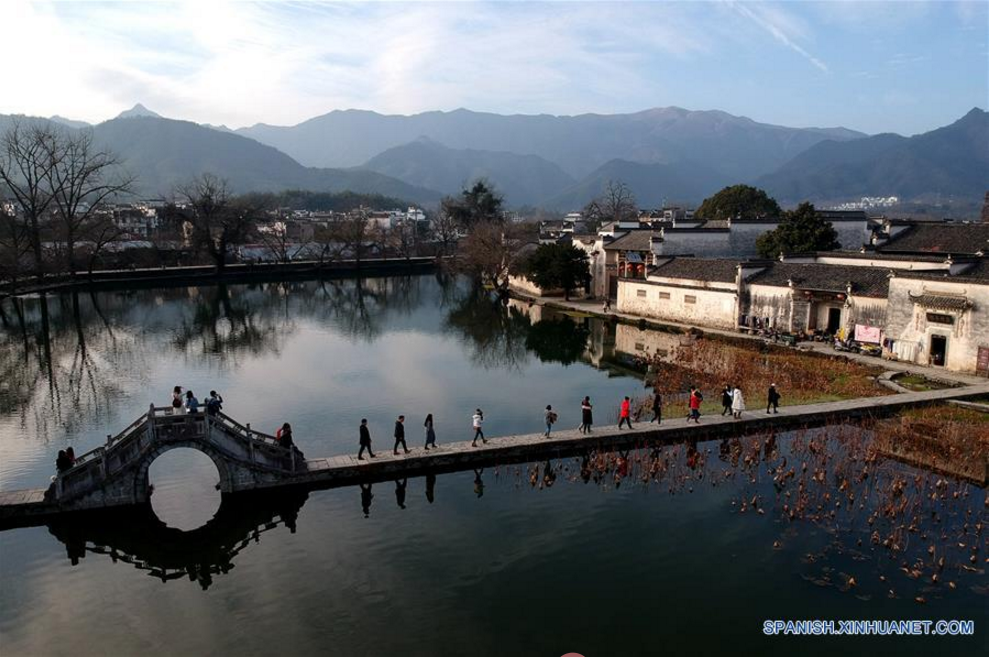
{"x":879,"y":255}
{"x":866,"y":281}
{"x":941,"y":302}
{"x":721,"y":270}
{"x":941,"y":238}
{"x":977,"y":273}
{"x":633,"y":240}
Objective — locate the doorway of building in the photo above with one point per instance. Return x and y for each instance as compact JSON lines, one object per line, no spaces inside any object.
{"x":939,"y":347}
{"x":834,"y":320}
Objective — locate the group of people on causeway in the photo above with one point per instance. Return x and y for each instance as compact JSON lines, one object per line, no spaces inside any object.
{"x":732,"y":401}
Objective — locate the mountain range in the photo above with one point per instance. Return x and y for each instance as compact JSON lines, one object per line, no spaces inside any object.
{"x":665,"y":155}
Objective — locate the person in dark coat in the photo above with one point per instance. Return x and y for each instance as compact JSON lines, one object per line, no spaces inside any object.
{"x":657,"y":409}
{"x":284,"y":436}
{"x":365,"y":441}
{"x":773,"y":399}
{"x":430,"y":433}
{"x":726,"y":400}
{"x":586,"y":415}
{"x":62,"y":462}
{"x":400,"y":434}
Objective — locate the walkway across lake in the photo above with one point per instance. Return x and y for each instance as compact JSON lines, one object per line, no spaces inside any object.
{"x":248,"y":460}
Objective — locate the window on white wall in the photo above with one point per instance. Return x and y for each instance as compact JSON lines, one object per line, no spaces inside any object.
{"x":640,"y":293}
{"x":664,"y":295}
{"x":689,"y":298}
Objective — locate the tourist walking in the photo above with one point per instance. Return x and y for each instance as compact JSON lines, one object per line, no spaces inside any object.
{"x":625,"y":415}
{"x":586,"y":415}
{"x":365,"y":440}
{"x":284,"y":436}
{"x":726,"y":399}
{"x":550,"y":417}
{"x":773,"y":399}
{"x":737,"y":403}
{"x":214,"y":404}
{"x":62,"y":462}
{"x":400,"y":435}
{"x":191,"y":403}
{"x":695,"y":405}
{"x":430,"y":434}
{"x":657,"y":408}
{"x":176,"y":399}
{"x":478,"y":422}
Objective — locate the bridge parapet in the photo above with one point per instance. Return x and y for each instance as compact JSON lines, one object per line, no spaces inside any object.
{"x":117,"y":472}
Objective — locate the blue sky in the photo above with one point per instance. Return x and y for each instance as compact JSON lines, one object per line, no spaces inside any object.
{"x":905,"y":67}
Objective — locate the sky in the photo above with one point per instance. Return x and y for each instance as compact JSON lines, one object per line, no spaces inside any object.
{"x":904,"y":67}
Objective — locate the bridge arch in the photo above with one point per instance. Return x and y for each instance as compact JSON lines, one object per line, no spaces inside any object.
{"x":142,"y":485}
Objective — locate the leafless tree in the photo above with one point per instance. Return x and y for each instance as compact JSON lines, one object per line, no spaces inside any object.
{"x":84,"y":179}
{"x":491,"y":253}
{"x":275,"y":237}
{"x":617,"y":203}
{"x":15,"y":245}
{"x":218,"y":221}
{"x":29,"y":153}
{"x":356,"y":236}
{"x":100,"y":232}
{"x":446,"y":231}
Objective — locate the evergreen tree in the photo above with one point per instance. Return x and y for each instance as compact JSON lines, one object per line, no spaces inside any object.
{"x":562,"y":266}
{"x":800,"y":231}
{"x":741,"y":201}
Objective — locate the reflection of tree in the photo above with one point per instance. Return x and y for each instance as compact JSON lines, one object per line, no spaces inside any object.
{"x":134,"y":535}
{"x":495,"y":333}
{"x":558,"y":341}
{"x":226,"y":325}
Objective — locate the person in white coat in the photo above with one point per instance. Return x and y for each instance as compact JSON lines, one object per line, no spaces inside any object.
{"x":737,"y":403}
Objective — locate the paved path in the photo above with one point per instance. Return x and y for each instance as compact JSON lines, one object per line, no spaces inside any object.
{"x":346,"y":470}
{"x":594,"y":308}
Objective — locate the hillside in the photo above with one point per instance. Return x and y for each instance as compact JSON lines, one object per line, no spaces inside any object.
{"x":652,"y":184}
{"x":738,"y":147}
{"x":950,"y":161}
{"x":521,"y":179}
{"x":164,"y":154}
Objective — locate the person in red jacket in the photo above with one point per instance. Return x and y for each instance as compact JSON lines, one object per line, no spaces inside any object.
{"x":625,"y":415}
{"x":695,"y":405}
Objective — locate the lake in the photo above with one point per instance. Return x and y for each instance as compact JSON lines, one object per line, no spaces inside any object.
{"x":685,"y":550}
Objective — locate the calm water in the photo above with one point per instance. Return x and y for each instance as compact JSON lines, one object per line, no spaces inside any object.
{"x":541,"y":559}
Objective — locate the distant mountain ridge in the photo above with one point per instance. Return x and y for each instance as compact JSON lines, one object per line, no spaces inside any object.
{"x":521,"y":179}
{"x":736,"y":146}
{"x":164,"y":153}
{"x":951,"y":161}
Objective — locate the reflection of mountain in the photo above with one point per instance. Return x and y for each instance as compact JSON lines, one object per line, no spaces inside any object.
{"x":135,"y":536}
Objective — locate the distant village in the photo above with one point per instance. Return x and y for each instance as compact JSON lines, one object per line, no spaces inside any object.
{"x":914,"y":291}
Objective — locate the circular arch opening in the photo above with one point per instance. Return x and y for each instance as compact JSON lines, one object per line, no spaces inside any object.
{"x":186,"y":493}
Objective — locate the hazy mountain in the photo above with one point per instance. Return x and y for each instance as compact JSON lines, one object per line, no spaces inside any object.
{"x":138,"y":110}
{"x":69,"y":122}
{"x":652,"y":184}
{"x":521,"y":179}
{"x":736,"y":146}
{"x":164,"y":154}
{"x":952,"y":161}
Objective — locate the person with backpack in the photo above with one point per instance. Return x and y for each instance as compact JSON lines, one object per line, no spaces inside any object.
{"x":214,"y":404}
{"x":773,"y":399}
{"x":550,"y":416}
{"x":400,"y":435}
{"x":695,"y":405}
{"x":365,"y":440}
{"x":625,"y":415}
{"x":726,"y":399}
{"x":477,"y":423}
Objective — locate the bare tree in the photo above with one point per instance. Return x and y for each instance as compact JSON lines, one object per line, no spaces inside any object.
{"x":446,"y":231}
{"x":81,"y":182}
{"x":29,"y":153}
{"x":15,"y":245}
{"x":217,"y":220}
{"x":275,"y":236}
{"x":100,"y":232}
{"x":617,"y":203}
{"x":356,"y":236}
{"x":491,"y":253}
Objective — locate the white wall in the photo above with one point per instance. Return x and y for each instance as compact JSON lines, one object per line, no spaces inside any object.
{"x":714,"y":307}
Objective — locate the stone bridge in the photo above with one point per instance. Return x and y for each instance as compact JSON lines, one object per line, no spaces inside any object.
{"x":116,"y":474}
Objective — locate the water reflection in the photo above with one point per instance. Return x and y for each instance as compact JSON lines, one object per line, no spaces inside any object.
{"x":135,"y":536}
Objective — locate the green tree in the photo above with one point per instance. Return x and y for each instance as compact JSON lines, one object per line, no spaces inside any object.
{"x":476,"y":204}
{"x":800,"y":231}
{"x":739,"y":201}
{"x":554,"y":266}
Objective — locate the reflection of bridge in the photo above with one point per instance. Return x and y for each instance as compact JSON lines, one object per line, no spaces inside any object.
{"x":117,"y":473}
{"x":135,"y":536}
